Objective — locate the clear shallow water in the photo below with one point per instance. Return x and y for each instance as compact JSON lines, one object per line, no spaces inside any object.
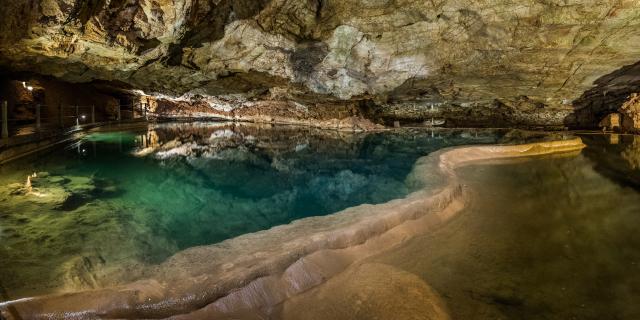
{"x":550,"y":238}
{"x":117,"y":201}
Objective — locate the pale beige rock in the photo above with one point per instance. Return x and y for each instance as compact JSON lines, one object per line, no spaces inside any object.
{"x":253,"y":273}
{"x":369,"y":291}
{"x":630,"y":111}
{"x":632,"y":154}
{"x":611,"y":122}
{"x":404,"y":50}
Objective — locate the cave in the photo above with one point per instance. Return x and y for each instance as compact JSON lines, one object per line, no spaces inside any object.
{"x":319,"y":159}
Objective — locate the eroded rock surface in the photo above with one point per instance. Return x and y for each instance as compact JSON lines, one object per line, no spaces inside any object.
{"x":369,"y":291}
{"x":631,"y":114}
{"x":520,"y":63}
{"x":609,"y":94}
{"x":288,"y":260}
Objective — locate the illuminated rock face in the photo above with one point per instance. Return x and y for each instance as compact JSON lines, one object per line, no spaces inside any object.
{"x":631,"y":114}
{"x":231,"y":277}
{"x":632,"y":154}
{"x":626,"y":119}
{"x":511,"y":63}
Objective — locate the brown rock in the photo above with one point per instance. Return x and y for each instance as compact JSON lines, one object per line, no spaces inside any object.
{"x":630,"y":111}
{"x":611,"y":122}
{"x":369,"y":291}
{"x":533,"y":57}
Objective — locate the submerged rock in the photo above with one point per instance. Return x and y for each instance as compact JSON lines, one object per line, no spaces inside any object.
{"x":257,"y":271}
{"x":369,"y":291}
{"x":57,"y":191}
{"x":632,"y":154}
{"x":611,"y":122}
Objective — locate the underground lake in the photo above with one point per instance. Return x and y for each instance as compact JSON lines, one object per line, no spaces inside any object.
{"x":319,"y":159}
{"x":536,"y":234}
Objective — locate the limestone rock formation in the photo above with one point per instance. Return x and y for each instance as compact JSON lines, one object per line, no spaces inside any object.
{"x":626,"y":119}
{"x":517,"y":63}
{"x":611,"y":122}
{"x":631,"y":114}
{"x":56,"y":191}
{"x":369,"y":291}
{"x":632,"y":154}
{"x":611,"y":92}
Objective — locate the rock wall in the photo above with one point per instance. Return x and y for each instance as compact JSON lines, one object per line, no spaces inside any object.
{"x":347,"y":116}
{"x":334,"y":51}
{"x":521,"y":112}
{"x":609,"y":94}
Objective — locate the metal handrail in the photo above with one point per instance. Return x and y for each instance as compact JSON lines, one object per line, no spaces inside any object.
{"x":40,"y":117}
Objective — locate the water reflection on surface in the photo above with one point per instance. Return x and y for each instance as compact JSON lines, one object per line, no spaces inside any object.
{"x":551,"y":238}
{"x":615,"y":156}
{"x":547,"y":238}
{"x":100,"y":210}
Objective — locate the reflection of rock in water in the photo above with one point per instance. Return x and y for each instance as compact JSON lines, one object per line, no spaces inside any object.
{"x":259,"y":270}
{"x":632,"y":153}
{"x":58,"y":233}
{"x":631,"y":114}
{"x":215,"y":180}
{"x":620,"y":162}
{"x":563,"y":246}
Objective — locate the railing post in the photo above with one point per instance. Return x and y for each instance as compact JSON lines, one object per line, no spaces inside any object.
{"x":5,"y":122}
{"x":119,"y":107}
{"x":145,"y":109}
{"x":93,"y":114}
{"x":37,"y":117}
{"x":77,"y":117}
{"x":61,"y":115}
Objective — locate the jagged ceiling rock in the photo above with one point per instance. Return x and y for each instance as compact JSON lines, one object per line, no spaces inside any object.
{"x":457,"y":51}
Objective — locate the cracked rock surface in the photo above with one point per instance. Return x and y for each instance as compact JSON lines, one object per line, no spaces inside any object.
{"x":491,"y":54}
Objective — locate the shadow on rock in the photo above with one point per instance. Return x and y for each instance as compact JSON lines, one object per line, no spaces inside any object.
{"x":610,"y":93}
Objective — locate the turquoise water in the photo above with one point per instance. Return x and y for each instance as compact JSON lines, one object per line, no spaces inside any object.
{"x":551,"y":237}
{"x":121,"y":200}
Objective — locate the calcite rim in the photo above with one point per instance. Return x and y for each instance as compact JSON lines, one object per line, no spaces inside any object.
{"x":262,"y":269}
